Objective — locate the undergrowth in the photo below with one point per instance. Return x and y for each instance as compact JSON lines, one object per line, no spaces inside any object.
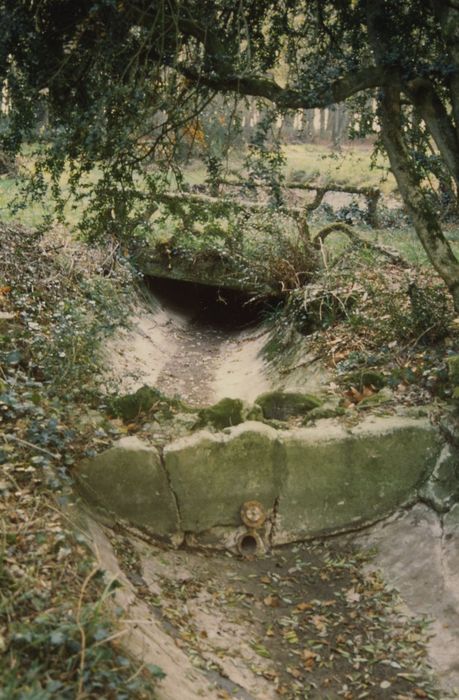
{"x":263,"y":250}
{"x":366,"y":312}
{"x":58,"y":636}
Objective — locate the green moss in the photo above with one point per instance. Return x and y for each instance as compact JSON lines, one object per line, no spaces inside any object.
{"x":323,"y":412}
{"x":283,"y":405}
{"x":382,"y":397}
{"x":254,"y":413}
{"x":223,"y":414}
{"x":144,"y":401}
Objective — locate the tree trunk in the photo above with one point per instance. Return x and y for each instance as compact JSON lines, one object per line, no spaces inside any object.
{"x":431,"y":109}
{"x":448,"y":15}
{"x":288,"y":127}
{"x":423,"y":215}
{"x":308,"y":122}
{"x":339,"y":125}
{"x":322,"y":124}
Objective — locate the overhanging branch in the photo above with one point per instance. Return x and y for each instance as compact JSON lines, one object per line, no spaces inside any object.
{"x":289,"y":98}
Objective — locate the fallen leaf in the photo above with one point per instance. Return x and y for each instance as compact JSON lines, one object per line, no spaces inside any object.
{"x":294,"y":672}
{"x":271,"y":601}
{"x":319,"y":623}
{"x":270,"y":675}
{"x":290,"y":636}
{"x":308,"y":654}
{"x":352,"y":596}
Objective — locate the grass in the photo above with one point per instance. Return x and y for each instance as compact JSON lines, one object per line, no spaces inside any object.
{"x":402,"y":239}
{"x":352,"y":166}
{"x":319,"y":163}
{"x":316,"y":162}
{"x":33,"y":215}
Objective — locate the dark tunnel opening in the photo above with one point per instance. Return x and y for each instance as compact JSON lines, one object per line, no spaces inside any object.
{"x":207,"y":305}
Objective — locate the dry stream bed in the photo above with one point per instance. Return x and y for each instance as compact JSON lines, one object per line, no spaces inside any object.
{"x":320,"y":619}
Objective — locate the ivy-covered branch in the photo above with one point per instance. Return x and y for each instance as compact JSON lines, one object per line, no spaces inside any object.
{"x":308,"y":97}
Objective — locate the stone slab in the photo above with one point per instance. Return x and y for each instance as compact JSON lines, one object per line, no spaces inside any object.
{"x":212,"y":474}
{"x":312,"y":481}
{"x":130,"y":483}
{"x":339,"y":479}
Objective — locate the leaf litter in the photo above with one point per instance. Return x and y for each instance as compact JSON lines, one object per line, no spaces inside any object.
{"x":310,"y":619}
{"x":55,"y":626}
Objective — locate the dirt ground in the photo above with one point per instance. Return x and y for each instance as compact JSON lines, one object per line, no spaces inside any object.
{"x":312,"y":620}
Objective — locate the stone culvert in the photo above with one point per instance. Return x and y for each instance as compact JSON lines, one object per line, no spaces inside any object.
{"x":307,"y":482}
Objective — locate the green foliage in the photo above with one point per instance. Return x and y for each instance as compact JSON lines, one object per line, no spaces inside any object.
{"x":111,"y":92}
{"x":388,"y":305}
{"x":263,"y":250}
{"x":265,"y":160}
{"x":56,"y":628}
{"x":81,"y":660}
{"x":430,"y":316}
{"x":365,"y":378}
{"x":61,"y":320}
{"x":453,"y":369}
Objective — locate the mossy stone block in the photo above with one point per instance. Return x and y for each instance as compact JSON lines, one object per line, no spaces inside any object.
{"x":224,"y":414}
{"x":322,"y":412}
{"x":282,"y":405}
{"x":442,"y":489}
{"x":337,"y":478}
{"x":254,"y":412}
{"x":213,"y":474}
{"x":131,"y":406}
{"x":379,"y":399}
{"x":144,"y":401}
{"x":129,"y":483}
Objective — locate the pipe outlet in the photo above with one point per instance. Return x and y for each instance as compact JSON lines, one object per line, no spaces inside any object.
{"x":249,"y":544}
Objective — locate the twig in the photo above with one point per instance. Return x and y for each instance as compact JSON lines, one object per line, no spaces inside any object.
{"x":13,"y":438}
{"x":340,"y":227}
{"x":71,"y":521}
{"x":113,"y":636}
{"x":323,"y":252}
{"x":414,"y":342}
{"x":134,"y":675}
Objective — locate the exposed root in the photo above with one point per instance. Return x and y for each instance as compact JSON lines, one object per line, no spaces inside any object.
{"x":359,"y":242}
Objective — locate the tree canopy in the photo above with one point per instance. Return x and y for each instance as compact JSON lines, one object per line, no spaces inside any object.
{"x":118,"y":80}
